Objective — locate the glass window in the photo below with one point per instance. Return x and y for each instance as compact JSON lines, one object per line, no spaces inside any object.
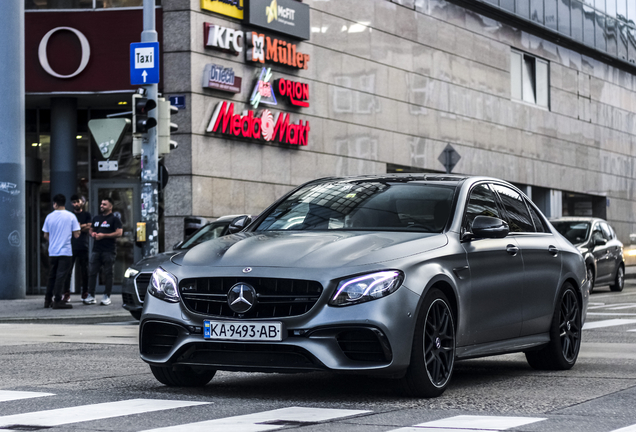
{"x":631,"y":44}
{"x":518,"y":216}
{"x":607,"y":232}
{"x":507,"y":4}
{"x":536,"y":11}
{"x":600,"y":5}
{"x":481,"y":203}
{"x":576,"y":232}
{"x":610,"y":8}
{"x":515,"y":75}
{"x":564,"y":17}
{"x":83,"y":4}
{"x":523,"y":8}
{"x":551,"y":14}
{"x":631,"y":10}
{"x":600,"y":32}
{"x":598,"y":233}
{"x":621,"y":9}
{"x":577,"y":20}
{"x":538,"y":222}
{"x":621,"y":40}
{"x":588,"y":25}
{"x":529,"y":79}
{"x":611,"y":36}
{"x":543,"y":83}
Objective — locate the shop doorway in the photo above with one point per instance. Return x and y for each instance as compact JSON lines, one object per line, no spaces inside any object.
{"x":125,"y":196}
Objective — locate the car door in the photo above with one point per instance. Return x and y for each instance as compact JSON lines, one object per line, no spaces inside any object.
{"x":601,"y":254}
{"x":614,"y":248}
{"x":496,"y":276}
{"x":541,"y":260}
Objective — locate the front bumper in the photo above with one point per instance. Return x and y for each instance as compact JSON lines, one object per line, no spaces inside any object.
{"x":133,"y":291}
{"x":372,"y":337}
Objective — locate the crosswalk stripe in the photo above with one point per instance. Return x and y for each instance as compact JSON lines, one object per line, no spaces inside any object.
{"x":607,"y":323}
{"x":10,"y":395}
{"x":631,"y":428}
{"x":62,"y":416}
{"x":473,"y":423}
{"x":264,"y":421}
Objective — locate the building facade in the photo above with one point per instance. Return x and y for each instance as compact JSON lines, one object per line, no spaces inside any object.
{"x":275,"y":93}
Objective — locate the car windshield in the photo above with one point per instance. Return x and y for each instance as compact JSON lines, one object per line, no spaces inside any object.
{"x":363,"y":205}
{"x":576,"y":232}
{"x":208,"y":232}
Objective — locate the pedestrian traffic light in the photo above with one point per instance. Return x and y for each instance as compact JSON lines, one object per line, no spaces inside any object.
{"x":166,"y":127}
{"x":141,"y":107}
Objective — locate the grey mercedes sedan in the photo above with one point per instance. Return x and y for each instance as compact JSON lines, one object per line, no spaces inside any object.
{"x":399,"y":275}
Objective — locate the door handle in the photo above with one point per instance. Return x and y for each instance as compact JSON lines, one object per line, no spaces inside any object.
{"x":512,"y":250}
{"x":553,"y":250}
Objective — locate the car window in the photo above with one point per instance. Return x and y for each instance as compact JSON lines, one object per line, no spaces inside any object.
{"x":518,"y":216}
{"x":597,"y":232}
{"x":208,"y":232}
{"x":607,"y":232}
{"x":576,"y":232}
{"x":538,"y":221}
{"x":346,"y":205}
{"x":481,"y":203}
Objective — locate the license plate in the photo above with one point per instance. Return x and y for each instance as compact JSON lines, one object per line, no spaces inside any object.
{"x":243,"y":330}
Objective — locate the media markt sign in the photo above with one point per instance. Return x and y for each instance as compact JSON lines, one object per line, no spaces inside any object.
{"x":231,"y":8}
{"x":289,"y":17}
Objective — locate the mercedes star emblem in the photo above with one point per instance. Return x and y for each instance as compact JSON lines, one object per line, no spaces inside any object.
{"x":241,"y":298}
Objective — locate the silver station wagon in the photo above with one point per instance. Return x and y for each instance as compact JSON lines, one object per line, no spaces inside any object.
{"x":399,"y":275}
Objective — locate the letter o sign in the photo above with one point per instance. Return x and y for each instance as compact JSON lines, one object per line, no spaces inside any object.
{"x":44,"y":60}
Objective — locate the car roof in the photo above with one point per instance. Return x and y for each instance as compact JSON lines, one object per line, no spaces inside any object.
{"x":577,"y":219}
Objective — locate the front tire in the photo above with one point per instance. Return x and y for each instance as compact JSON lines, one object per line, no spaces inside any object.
{"x":433,"y":351}
{"x":182,"y":376}
{"x":565,"y":335}
{"x":619,"y":280}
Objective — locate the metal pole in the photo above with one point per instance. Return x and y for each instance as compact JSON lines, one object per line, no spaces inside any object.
{"x":12,"y":162}
{"x":149,"y":153}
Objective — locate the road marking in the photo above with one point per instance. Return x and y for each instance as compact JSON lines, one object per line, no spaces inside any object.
{"x":76,"y":414}
{"x":473,"y":423}
{"x":8,"y":395}
{"x":264,"y":421}
{"x":607,"y":323}
{"x":610,"y":314}
{"x":631,"y":428}
{"x":596,"y":296}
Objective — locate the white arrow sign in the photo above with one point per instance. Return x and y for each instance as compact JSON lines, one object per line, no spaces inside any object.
{"x":144,"y":74}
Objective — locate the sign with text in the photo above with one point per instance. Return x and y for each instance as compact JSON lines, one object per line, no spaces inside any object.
{"x":223,"y":38}
{"x":221,"y":78}
{"x":144,"y":63}
{"x":231,"y":8}
{"x":289,"y":17}
{"x":268,"y":49}
{"x":296,"y":93}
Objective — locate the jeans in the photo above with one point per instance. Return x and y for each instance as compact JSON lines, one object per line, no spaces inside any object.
{"x":81,"y":257}
{"x":98,"y":260}
{"x":59,"y":267}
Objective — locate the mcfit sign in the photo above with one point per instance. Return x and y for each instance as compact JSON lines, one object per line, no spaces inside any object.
{"x":289,"y":17}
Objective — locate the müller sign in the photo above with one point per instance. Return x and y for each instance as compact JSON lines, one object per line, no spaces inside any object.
{"x":273,"y":50}
{"x":265,"y":127}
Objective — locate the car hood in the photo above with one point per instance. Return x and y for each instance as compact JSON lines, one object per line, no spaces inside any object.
{"x":151,"y":263}
{"x":309,"y":249}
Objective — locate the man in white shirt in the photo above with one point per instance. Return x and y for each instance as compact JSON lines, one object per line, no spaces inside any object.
{"x":58,"y":228}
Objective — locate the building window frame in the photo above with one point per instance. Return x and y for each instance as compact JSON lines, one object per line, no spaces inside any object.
{"x":529,"y":79}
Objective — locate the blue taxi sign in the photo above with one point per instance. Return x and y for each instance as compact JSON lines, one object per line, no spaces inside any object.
{"x":144,"y":63}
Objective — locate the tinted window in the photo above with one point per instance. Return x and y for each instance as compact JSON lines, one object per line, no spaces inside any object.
{"x":208,"y":232}
{"x":481,"y":203}
{"x":518,"y":216}
{"x":607,"y":232}
{"x":538,"y":222}
{"x":576,"y":232}
{"x":363,"y":205}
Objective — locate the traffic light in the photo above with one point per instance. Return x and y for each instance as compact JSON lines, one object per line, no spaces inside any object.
{"x":165,"y":144}
{"x":141,"y":107}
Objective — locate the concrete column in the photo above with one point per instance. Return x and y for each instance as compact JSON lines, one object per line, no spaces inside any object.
{"x":63,"y":147}
{"x":556,"y":203}
{"x":12,"y":165}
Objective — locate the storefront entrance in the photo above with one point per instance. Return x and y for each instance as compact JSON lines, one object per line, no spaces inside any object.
{"x":125,"y":196}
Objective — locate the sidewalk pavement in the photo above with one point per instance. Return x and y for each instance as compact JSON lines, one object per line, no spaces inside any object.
{"x":630,"y":272}
{"x":31,"y":309}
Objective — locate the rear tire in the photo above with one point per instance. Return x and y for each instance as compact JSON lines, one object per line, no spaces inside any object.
{"x":619,"y":280}
{"x":565,"y":335}
{"x":590,"y":277}
{"x":433,"y":351}
{"x":182,"y":376}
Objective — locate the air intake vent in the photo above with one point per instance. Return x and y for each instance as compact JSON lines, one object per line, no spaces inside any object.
{"x":158,"y":338}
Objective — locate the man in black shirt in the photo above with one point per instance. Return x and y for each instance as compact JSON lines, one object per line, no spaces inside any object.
{"x":80,"y":248}
{"x":105,"y":229}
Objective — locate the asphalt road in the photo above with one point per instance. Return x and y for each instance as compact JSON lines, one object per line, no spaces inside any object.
{"x":61,"y":376}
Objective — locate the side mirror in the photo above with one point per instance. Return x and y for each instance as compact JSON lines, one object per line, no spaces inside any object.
{"x":177,"y":245}
{"x":599,"y":241}
{"x":239,"y":223}
{"x":489,"y":227}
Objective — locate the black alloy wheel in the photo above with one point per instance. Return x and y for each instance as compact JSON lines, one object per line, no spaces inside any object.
{"x":433,"y":352}
{"x":590,"y":277}
{"x":565,"y":335}
{"x":619,"y":280}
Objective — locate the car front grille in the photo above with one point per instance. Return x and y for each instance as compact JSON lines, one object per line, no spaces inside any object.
{"x":276,"y":298}
{"x":141,"y":284}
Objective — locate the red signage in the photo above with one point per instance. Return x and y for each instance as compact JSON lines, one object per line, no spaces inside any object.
{"x":84,"y":51}
{"x":265,"y":127}
{"x":263,"y":49}
{"x":297,"y":93}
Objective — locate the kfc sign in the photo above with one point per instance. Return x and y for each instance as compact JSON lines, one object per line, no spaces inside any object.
{"x":264,"y":128}
{"x":263,"y":49}
{"x":296,"y":93}
{"x":223,"y":38}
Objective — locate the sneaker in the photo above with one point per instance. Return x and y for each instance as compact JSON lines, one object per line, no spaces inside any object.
{"x":67,"y":297}
{"x":61,"y":305}
{"x":89,"y":300}
{"x":84,"y":295}
{"x":105,"y":300}
{"x":47,"y":303}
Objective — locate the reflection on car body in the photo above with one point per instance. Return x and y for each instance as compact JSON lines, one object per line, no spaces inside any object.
{"x":397,"y":275}
{"x":602,"y":250}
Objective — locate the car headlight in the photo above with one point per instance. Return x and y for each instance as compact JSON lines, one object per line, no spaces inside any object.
{"x":366,"y":288}
{"x":131,"y":273}
{"x":164,"y":286}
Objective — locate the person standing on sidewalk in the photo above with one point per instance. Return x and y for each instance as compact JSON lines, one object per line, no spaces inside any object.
{"x":58,"y":228}
{"x":105,"y":228}
{"x":80,"y":248}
